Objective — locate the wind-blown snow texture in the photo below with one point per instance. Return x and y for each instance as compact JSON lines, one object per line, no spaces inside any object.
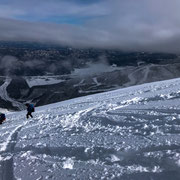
{"x":132,"y":133}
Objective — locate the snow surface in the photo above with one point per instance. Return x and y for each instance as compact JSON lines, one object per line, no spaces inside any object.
{"x":2,"y":110}
{"x":131,"y":133}
{"x":43,"y":80}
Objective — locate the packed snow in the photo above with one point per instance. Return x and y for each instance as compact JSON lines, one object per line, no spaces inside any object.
{"x":131,"y":133}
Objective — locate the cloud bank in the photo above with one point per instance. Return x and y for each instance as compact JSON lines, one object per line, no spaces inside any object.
{"x":142,"y":25}
{"x":12,"y":66}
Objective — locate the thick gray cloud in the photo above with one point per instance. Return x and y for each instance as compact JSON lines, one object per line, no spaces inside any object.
{"x":142,"y":25}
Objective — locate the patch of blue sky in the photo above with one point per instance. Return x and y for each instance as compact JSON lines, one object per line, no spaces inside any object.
{"x":68,"y":20}
{"x":85,"y":1}
{"x":26,"y":18}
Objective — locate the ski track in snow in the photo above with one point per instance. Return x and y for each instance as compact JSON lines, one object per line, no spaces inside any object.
{"x":4,"y":95}
{"x":131,"y":133}
{"x":96,"y":81}
{"x":133,"y":78}
{"x":4,"y":146}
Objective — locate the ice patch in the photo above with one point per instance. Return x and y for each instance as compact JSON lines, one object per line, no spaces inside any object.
{"x":114,"y":158}
{"x":136,"y":168}
{"x":3,"y":110}
{"x":68,"y":164}
{"x":178,"y":162}
{"x":166,"y":96}
{"x":132,"y":101}
{"x":25,"y":154}
{"x":5,"y":158}
{"x":111,"y":107}
{"x":40,"y":178}
{"x":156,"y":169}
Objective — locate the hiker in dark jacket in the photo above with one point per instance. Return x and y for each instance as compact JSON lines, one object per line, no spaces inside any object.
{"x":30,"y":109}
{"x":2,"y":118}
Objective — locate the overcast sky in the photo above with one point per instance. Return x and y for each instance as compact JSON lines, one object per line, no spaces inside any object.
{"x":140,"y":25}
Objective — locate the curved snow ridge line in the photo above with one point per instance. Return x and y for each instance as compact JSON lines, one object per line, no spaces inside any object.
{"x":3,"y":92}
{"x":4,"y":95}
{"x":96,"y":81}
{"x":11,"y":137}
{"x":125,"y":103}
{"x":131,"y":76}
{"x":70,"y":120}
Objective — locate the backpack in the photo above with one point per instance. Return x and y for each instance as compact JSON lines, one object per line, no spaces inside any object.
{"x":2,"y":117}
{"x":32,"y":107}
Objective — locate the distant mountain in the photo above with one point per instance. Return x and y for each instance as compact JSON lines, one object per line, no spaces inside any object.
{"x":38,"y":59}
{"x":42,"y":90}
{"x":45,"y":74}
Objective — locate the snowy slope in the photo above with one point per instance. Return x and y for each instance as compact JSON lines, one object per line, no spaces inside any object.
{"x":43,"y":80}
{"x":131,"y":133}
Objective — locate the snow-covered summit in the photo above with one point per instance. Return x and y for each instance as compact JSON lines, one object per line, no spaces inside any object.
{"x":131,"y":133}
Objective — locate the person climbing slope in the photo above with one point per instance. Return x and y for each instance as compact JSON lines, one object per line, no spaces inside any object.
{"x":2,"y":117}
{"x":30,"y":109}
